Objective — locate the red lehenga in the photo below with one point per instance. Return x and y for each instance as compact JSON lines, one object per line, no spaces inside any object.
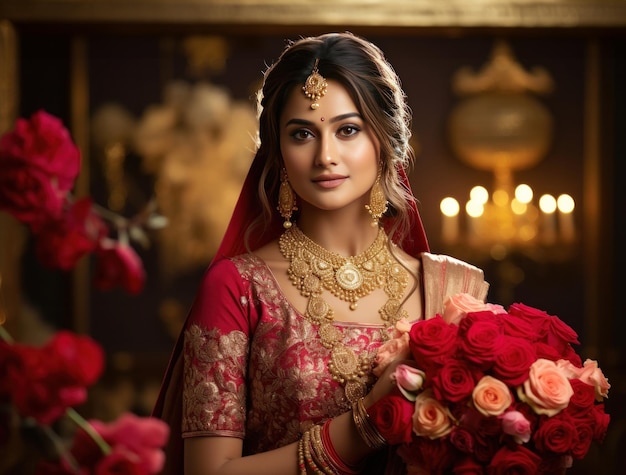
{"x":249,"y":365}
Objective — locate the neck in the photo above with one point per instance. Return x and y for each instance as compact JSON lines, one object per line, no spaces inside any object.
{"x":338,"y":233}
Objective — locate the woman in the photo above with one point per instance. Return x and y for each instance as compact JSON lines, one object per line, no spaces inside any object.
{"x":272,"y":373}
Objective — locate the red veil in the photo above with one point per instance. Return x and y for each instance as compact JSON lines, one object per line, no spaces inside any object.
{"x":169,"y":402}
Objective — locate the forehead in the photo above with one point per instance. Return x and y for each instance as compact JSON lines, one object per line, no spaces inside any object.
{"x":337,"y":101}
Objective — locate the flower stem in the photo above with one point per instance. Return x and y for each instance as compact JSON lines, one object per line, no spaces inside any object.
{"x":88,"y":428}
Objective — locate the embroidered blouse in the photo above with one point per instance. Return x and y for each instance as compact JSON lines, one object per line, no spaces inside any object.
{"x":255,"y":367}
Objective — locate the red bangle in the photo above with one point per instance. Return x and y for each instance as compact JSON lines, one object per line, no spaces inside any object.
{"x":333,"y":457}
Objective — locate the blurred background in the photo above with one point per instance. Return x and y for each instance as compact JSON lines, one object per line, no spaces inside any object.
{"x":160,"y":98}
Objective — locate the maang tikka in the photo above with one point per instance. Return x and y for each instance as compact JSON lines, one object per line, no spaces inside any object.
{"x":378,"y":201}
{"x":286,"y":199}
{"x":315,"y":86}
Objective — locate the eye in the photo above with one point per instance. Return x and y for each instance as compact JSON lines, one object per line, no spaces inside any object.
{"x":301,"y":134}
{"x":349,"y":130}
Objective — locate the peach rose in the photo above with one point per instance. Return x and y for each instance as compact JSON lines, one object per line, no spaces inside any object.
{"x":457,"y":306}
{"x":593,"y":376}
{"x":396,"y":348}
{"x":515,"y":423}
{"x":430,"y":419}
{"x":547,"y":389}
{"x":589,"y":374}
{"x":491,"y":396}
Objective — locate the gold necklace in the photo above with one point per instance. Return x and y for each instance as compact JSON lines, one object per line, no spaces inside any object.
{"x":313,"y":269}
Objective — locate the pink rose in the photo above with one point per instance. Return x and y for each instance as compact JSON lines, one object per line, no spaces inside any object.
{"x":408,"y":379}
{"x":491,"y":396}
{"x":396,"y":348}
{"x":457,"y":306}
{"x":431,"y":418}
{"x":119,"y":265}
{"x":515,"y":424}
{"x":547,"y":389}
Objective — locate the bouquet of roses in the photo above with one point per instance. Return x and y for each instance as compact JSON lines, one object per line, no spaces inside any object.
{"x":490,"y":391}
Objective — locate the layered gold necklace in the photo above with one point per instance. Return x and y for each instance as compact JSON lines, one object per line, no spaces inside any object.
{"x":313,"y":269}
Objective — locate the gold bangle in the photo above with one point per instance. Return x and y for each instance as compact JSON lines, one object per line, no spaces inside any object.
{"x":365,"y":427}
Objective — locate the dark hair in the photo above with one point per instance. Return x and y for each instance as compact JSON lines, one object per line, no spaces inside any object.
{"x":373,"y":85}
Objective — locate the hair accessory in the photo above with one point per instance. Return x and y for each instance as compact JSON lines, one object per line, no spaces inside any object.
{"x":378,"y":201}
{"x":312,"y":270}
{"x":286,"y":199}
{"x":315,"y":86}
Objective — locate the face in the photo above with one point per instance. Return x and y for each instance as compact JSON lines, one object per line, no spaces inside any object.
{"x":330,"y":154}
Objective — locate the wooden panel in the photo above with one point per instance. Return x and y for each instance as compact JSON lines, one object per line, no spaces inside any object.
{"x":399,"y":13}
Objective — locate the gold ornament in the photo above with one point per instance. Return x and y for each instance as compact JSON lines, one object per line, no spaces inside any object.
{"x":312,"y":269}
{"x":315,"y":86}
{"x":378,"y":201}
{"x":286,"y":199}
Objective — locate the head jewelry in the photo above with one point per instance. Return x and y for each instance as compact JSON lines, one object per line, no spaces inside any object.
{"x":315,"y":86}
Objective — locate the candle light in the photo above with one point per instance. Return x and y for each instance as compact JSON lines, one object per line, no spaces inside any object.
{"x":450,"y":220}
{"x":547,"y":205}
{"x":565,"y":204}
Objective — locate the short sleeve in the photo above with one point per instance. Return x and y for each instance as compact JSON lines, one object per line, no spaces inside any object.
{"x":215,"y":351}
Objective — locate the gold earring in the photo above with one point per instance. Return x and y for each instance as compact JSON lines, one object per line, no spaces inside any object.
{"x":378,"y":202}
{"x":286,"y":199}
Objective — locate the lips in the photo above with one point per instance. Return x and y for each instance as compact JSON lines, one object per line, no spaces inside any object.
{"x":330,"y":181}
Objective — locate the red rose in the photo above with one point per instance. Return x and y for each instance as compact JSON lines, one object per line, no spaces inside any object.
{"x":454,"y":381}
{"x":119,"y":265}
{"x":120,"y":462}
{"x":468,"y":466}
{"x":392,"y":416}
{"x":519,"y":327}
{"x":513,"y":359}
{"x":600,"y":422}
{"x":555,"y":434}
{"x":79,"y":356}
{"x":61,"y":243}
{"x":518,"y":460}
{"x":43,"y":143}
{"x":561,"y":333}
{"x":28,"y":194}
{"x":463,"y":440}
{"x":481,"y":336}
{"x":584,"y":437}
{"x":583,"y":398}
{"x":535,"y":317}
{"x":433,"y":456}
{"x":432,"y":341}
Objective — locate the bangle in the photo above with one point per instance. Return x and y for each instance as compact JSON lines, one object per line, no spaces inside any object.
{"x":301,"y":464}
{"x":333,"y":457}
{"x":364,"y":426}
{"x":319,"y":452}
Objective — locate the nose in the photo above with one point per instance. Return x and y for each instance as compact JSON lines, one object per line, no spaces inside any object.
{"x":327,"y":151}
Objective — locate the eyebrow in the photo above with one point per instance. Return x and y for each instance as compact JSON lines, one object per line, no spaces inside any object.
{"x":333,"y":119}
